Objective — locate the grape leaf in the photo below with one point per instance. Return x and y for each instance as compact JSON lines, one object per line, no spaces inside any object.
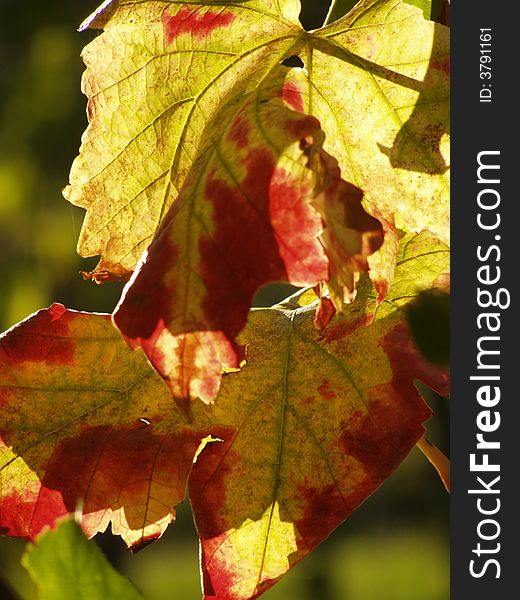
{"x":391,"y":138}
{"x":157,"y":75}
{"x":64,"y":565}
{"x":312,"y":425}
{"x":252,"y":211}
{"x":164,"y":79}
{"x":309,"y":435}
{"x":162,"y":70}
{"x":83,"y":417}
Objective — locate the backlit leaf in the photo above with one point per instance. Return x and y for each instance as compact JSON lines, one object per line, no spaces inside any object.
{"x":85,"y":419}
{"x":314,"y":423}
{"x":156,"y":76}
{"x":262,"y":203}
{"x":186,"y":120}
{"x":379,"y":85}
{"x":64,"y":565}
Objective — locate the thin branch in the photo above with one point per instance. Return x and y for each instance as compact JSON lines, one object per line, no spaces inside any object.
{"x":439,"y":460}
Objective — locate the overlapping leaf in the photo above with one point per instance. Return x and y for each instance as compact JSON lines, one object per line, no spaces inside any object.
{"x":378,"y":81}
{"x":307,"y":430}
{"x":64,"y":565}
{"x":248,"y":214}
{"x":165,"y":80}
{"x":158,"y":74}
{"x":310,"y":434}
{"x":85,"y":419}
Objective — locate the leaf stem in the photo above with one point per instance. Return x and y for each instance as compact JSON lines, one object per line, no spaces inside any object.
{"x":439,"y":460}
{"x":329,"y":18}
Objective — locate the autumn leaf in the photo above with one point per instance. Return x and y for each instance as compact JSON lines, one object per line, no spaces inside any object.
{"x":262,"y":203}
{"x":161,"y":72}
{"x":85,"y":419}
{"x":64,"y":565}
{"x":164,"y":81}
{"x":378,"y":81}
{"x":314,"y":423}
{"x":156,"y":76}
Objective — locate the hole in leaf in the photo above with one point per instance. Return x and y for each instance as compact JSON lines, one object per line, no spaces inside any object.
{"x":293,"y":61}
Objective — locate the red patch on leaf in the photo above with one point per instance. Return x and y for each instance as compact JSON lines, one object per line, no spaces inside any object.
{"x":16,"y":513}
{"x":441,"y":65}
{"x":273,"y":241}
{"x":326,"y":391}
{"x":219,"y":584}
{"x":291,"y":94}
{"x":199,"y":22}
{"x":44,"y":337}
{"x":324,"y":510}
{"x":239,"y":132}
{"x":408,"y":364}
{"x":309,"y":401}
{"x":297,"y":227}
{"x":148,"y":302}
{"x":302,"y":127}
{"x":207,"y":482}
{"x":106,"y":468}
{"x":381,"y":437}
{"x":208,"y":485}
{"x":324,"y":313}
{"x":343,"y":330}
{"x":246,"y":259}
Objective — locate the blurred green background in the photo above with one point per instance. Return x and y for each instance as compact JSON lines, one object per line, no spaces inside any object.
{"x":395,"y":547}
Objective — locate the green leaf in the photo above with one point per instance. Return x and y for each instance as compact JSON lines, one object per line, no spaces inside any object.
{"x":65,"y":565}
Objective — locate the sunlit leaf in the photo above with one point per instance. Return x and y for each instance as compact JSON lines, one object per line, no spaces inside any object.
{"x":314,"y":423}
{"x":185,"y":112}
{"x":64,"y":565}
{"x":159,"y":73}
{"x":86,"y":421}
{"x":262,"y":203}
{"x":379,"y":85}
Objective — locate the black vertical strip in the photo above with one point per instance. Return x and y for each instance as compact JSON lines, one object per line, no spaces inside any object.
{"x":479,"y":126}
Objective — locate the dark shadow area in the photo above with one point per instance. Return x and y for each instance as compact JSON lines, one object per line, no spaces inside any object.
{"x":313,"y":14}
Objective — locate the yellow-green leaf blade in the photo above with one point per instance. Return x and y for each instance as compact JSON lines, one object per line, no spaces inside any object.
{"x":379,"y":84}
{"x":154,"y":78}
